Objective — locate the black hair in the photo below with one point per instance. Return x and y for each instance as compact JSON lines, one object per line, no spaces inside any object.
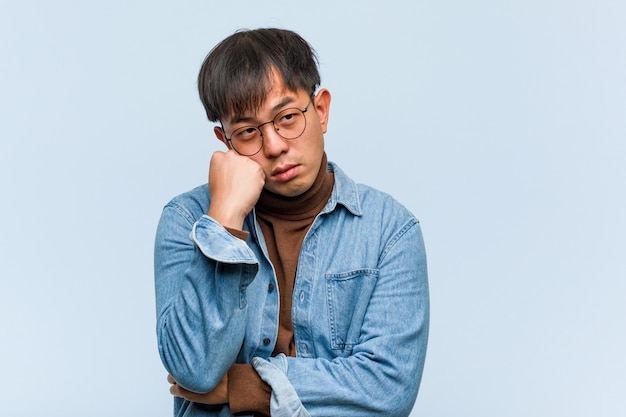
{"x":236,"y":75}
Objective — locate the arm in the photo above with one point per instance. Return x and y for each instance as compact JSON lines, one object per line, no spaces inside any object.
{"x":383,"y":372}
{"x":201,"y":273}
{"x":250,"y":395}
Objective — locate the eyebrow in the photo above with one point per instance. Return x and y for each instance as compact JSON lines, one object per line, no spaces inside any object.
{"x":282,"y":103}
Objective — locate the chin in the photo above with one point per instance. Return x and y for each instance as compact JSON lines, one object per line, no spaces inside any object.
{"x":289,"y":193}
{"x":289,"y":190}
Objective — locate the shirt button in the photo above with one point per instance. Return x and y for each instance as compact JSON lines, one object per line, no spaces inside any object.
{"x":270,"y":287}
{"x":266,"y":341}
{"x":302,"y":296}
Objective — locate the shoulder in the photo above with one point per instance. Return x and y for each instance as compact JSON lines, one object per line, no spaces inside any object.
{"x":380,"y":208}
{"x":365,"y":200}
{"x":373,"y":199}
{"x":191,"y":204}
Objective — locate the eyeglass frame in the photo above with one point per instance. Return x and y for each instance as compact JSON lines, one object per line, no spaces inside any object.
{"x":230,"y":142}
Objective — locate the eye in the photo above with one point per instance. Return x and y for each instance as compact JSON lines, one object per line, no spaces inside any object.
{"x":245,"y":134}
{"x":288,"y":117}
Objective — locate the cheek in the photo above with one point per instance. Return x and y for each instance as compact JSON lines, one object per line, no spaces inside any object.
{"x":262,"y":161}
{"x":318,"y":144}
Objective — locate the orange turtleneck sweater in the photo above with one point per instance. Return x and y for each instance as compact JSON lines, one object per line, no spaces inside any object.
{"x":284,"y":222}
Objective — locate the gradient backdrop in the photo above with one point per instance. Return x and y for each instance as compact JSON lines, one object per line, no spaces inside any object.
{"x":500,"y":124}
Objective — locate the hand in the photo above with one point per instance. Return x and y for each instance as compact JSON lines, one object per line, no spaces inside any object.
{"x":219,"y":395}
{"x":235,"y":184}
{"x":284,"y":401}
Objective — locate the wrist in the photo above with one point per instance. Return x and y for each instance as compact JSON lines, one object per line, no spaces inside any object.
{"x":228,"y":219}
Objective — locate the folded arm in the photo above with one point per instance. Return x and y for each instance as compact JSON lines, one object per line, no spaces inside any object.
{"x":381,"y":376}
{"x":201,"y":274}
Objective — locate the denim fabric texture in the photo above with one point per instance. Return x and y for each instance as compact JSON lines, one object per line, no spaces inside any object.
{"x":360,"y":306}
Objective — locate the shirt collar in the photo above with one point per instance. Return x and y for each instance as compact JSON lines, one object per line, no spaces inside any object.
{"x":345,"y":192}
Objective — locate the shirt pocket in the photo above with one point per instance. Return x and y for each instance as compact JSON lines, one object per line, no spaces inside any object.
{"x":348,"y":295}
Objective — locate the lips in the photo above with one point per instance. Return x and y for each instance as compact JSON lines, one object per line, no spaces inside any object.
{"x":285,"y":172}
{"x":281,"y":169}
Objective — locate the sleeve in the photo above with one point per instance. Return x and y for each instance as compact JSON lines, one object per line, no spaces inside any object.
{"x":284,"y":400}
{"x":247,"y":391}
{"x":201,"y":273}
{"x":381,"y":376}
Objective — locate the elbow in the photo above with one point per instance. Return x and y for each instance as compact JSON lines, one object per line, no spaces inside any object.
{"x":193,"y":383}
{"x":192,"y":366}
{"x":400,"y":383}
{"x":192,"y":372}
{"x":398,"y":401}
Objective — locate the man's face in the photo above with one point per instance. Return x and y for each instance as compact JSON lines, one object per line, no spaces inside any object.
{"x":290,"y":166}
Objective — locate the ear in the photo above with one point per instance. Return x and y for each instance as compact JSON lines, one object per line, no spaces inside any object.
{"x":322,"y":106}
{"x":219,"y":133}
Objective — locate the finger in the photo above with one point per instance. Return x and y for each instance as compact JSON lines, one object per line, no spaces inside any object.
{"x":177,"y":391}
{"x":171,"y":380}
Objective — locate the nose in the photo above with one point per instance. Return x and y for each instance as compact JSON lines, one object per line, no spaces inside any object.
{"x":273,"y":143}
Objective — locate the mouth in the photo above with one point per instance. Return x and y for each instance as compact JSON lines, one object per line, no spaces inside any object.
{"x":285,"y":172}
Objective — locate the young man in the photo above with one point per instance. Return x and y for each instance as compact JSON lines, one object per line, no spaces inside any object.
{"x":283,"y":288}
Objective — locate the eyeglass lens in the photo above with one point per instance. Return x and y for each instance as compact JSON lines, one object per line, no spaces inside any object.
{"x":289,"y":124}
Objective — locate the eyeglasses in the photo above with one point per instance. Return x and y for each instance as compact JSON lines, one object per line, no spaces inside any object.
{"x":289,"y":124}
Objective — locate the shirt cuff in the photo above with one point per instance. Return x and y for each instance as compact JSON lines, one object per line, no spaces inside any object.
{"x":246,"y":390}
{"x":216,"y":243}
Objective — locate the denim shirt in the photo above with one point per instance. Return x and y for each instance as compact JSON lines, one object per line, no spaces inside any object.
{"x":360,"y":306}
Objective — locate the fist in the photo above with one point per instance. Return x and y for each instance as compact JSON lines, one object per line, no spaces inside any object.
{"x":235,"y":184}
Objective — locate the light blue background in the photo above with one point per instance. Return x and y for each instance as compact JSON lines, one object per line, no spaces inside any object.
{"x":500,"y":124}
